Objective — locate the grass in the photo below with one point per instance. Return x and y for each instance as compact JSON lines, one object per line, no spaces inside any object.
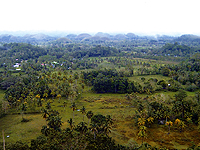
{"x":115,"y":105}
{"x":121,"y":110}
{"x":17,"y":130}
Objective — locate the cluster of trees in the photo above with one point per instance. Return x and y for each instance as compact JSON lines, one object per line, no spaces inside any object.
{"x":178,"y":113}
{"x":105,"y":81}
{"x":186,"y":73}
{"x":175,"y":50}
{"x":22,"y":51}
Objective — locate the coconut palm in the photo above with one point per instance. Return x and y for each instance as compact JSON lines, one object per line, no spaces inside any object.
{"x":109,"y":120}
{"x":23,"y":108}
{"x":94,"y":129}
{"x":142,"y":133}
{"x":45,"y":114}
{"x":45,"y":95}
{"x":58,"y":96}
{"x":81,"y":127}
{"x":48,"y":105}
{"x":53,"y":94}
{"x":106,"y":128}
{"x":45,"y":131}
{"x":71,"y":123}
{"x":73,"y":106}
{"x":169,"y":123}
{"x":89,"y":115}
{"x":83,"y":111}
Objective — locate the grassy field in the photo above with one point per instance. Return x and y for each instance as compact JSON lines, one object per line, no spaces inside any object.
{"x":121,"y":110}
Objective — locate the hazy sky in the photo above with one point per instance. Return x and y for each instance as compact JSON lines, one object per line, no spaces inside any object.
{"x":137,"y":16}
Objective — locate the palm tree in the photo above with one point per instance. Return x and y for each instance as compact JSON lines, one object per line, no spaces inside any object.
{"x":83,"y":111}
{"x":150,"y":120}
{"x":169,"y":123}
{"x":70,"y":121}
{"x":45,"y":131}
{"x":45,"y":95}
{"x":142,"y":133}
{"x":106,"y":128}
{"x":38,"y":97}
{"x":89,"y":115}
{"x":109,"y":120}
{"x":81,"y":127}
{"x":45,"y":115}
{"x":58,"y":96}
{"x":53,"y":94}
{"x":48,"y":105}
{"x":73,"y":106}
{"x":94,"y":129}
{"x":23,"y":108}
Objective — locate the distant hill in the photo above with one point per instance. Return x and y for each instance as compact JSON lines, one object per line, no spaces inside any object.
{"x":71,"y":36}
{"x":131,"y":36}
{"x":63,"y":40}
{"x":96,"y":39}
{"x":82,"y":36}
{"x":120,"y":37}
{"x":101,"y":34}
{"x":188,"y":37}
{"x":32,"y":39}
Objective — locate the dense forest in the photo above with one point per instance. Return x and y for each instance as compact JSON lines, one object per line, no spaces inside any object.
{"x":99,"y":92}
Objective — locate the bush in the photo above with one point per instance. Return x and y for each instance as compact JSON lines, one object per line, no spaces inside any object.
{"x":191,"y":87}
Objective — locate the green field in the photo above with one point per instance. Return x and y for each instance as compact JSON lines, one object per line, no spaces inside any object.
{"x":121,"y":110}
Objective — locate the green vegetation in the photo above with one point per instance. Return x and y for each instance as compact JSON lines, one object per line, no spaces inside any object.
{"x":84,"y":94}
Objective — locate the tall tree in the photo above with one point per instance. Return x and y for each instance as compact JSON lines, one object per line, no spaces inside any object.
{"x":89,"y":115}
{"x":73,"y":106}
{"x":83,"y":111}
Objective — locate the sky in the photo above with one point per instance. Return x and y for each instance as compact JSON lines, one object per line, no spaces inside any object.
{"x":110,"y":16}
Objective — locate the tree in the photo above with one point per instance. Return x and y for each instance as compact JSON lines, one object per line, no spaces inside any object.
{"x":141,"y":122}
{"x":54,"y":121}
{"x":71,"y":123}
{"x":142,"y":133}
{"x":48,"y":105}
{"x":45,"y":114}
{"x":53,"y":94}
{"x":81,"y":127}
{"x":106,"y":128}
{"x":94,"y":129}
{"x":109,"y":120}
{"x":45,"y":130}
{"x":45,"y":95}
{"x":73,"y":106}
{"x":163,"y":83}
{"x":23,"y":109}
{"x":180,"y":124}
{"x":169,"y":124}
{"x":83,"y":111}
{"x":180,"y":104}
{"x":150,"y":120}
{"x":58,"y":96}
{"x":89,"y":115}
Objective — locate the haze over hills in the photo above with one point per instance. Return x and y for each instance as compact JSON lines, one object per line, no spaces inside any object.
{"x":100,"y":36}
